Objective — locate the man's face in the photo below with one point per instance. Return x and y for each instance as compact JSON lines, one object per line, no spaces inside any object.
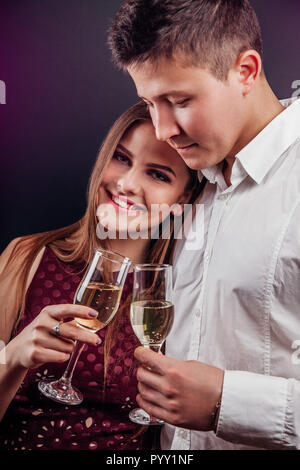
{"x":198,"y":115}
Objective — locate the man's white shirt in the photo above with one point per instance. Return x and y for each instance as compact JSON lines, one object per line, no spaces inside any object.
{"x":237,"y":295}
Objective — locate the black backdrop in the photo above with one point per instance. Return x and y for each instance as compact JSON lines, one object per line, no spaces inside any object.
{"x":63,"y":93}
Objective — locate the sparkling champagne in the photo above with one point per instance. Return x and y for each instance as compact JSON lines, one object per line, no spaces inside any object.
{"x":152,"y":321}
{"x":102,"y":297}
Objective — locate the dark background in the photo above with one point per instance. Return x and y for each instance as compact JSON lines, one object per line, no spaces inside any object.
{"x":63,"y":93}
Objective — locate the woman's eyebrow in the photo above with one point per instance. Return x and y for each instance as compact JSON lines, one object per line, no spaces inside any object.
{"x":149,"y":165}
{"x":161,"y":167}
{"x":124,"y":149}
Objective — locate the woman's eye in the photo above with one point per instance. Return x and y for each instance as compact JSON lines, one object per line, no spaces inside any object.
{"x":157,"y":175}
{"x":120,"y":157}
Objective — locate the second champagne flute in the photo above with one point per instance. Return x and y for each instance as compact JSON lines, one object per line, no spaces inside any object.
{"x":101,"y":289}
{"x":151,"y":315}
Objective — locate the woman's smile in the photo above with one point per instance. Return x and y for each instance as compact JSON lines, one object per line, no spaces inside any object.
{"x":143,"y":177}
{"x":123,"y":204}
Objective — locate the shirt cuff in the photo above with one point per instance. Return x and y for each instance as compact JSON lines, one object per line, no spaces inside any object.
{"x":253,"y":410}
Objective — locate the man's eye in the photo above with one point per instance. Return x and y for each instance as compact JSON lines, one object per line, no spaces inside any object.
{"x":157,"y":175}
{"x":182,"y":102}
{"x":120,"y":157}
{"x":149,"y":105}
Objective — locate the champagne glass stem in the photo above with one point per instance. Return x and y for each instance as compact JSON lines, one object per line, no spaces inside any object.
{"x":68,"y":374}
{"x":97,"y":284}
{"x":155,"y":348}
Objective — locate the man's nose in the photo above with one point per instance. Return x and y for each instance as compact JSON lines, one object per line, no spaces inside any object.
{"x":165,"y":124}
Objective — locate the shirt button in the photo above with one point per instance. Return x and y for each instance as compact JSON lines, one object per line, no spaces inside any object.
{"x":223,"y":197}
{"x":183,"y":433}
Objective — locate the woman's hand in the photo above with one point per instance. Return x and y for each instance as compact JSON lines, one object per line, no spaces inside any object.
{"x":37,"y":344}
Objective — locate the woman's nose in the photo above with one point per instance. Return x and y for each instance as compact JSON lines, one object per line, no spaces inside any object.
{"x":129,"y":182}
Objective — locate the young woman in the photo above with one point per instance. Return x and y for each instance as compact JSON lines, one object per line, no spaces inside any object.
{"x":39,"y":275}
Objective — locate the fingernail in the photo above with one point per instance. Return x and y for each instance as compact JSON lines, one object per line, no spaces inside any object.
{"x":93,"y":313}
{"x":98,"y":342}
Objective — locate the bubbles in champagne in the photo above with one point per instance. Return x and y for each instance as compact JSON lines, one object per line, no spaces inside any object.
{"x":104,"y":298}
{"x":152,"y":321}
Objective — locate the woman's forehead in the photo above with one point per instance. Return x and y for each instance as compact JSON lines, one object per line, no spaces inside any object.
{"x":141,"y":142}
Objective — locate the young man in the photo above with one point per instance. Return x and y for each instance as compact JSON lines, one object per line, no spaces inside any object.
{"x":231,"y":372}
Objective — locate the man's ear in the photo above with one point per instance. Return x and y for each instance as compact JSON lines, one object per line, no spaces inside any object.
{"x":248,"y":66}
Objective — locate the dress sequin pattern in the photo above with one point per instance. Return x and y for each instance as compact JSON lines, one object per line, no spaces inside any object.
{"x":33,"y":422}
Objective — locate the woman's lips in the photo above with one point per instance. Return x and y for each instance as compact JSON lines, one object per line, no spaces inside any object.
{"x":133,"y":209}
{"x":122,"y":198}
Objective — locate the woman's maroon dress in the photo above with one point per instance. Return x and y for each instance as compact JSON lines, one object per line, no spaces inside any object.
{"x":33,"y":422}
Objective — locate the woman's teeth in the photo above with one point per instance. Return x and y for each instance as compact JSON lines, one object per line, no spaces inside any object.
{"x":125,"y":205}
{"x":120,"y":203}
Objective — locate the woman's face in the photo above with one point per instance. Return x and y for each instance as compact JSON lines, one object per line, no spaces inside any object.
{"x":144,"y":179}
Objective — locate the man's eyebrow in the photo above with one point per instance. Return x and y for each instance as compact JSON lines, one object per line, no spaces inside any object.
{"x":174,"y":93}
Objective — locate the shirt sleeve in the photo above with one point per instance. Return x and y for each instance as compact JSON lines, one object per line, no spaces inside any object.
{"x":259,"y":410}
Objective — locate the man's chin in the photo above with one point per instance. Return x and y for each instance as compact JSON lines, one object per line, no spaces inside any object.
{"x":199,"y":159}
{"x":195,"y":162}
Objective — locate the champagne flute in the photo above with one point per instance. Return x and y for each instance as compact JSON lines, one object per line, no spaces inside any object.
{"x":101,"y":289}
{"x":151,"y":316}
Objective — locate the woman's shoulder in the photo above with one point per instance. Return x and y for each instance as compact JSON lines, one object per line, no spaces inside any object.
{"x":5,"y":255}
{"x":8,"y":251}
{"x":11,"y":263}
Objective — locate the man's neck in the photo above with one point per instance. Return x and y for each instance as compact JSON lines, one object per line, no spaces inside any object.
{"x":227,"y":170}
{"x":264,"y":110}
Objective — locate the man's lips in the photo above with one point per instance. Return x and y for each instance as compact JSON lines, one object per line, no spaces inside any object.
{"x":184,"y":149}
{"x":181,"y":147}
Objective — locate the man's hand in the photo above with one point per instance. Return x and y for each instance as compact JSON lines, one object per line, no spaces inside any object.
{"x":182,"y":393}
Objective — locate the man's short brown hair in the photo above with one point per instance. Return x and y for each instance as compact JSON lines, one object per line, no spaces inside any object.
{"x":208,"y":33}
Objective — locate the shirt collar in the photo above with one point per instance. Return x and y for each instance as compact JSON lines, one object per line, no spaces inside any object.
{"x":258,"y":157}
